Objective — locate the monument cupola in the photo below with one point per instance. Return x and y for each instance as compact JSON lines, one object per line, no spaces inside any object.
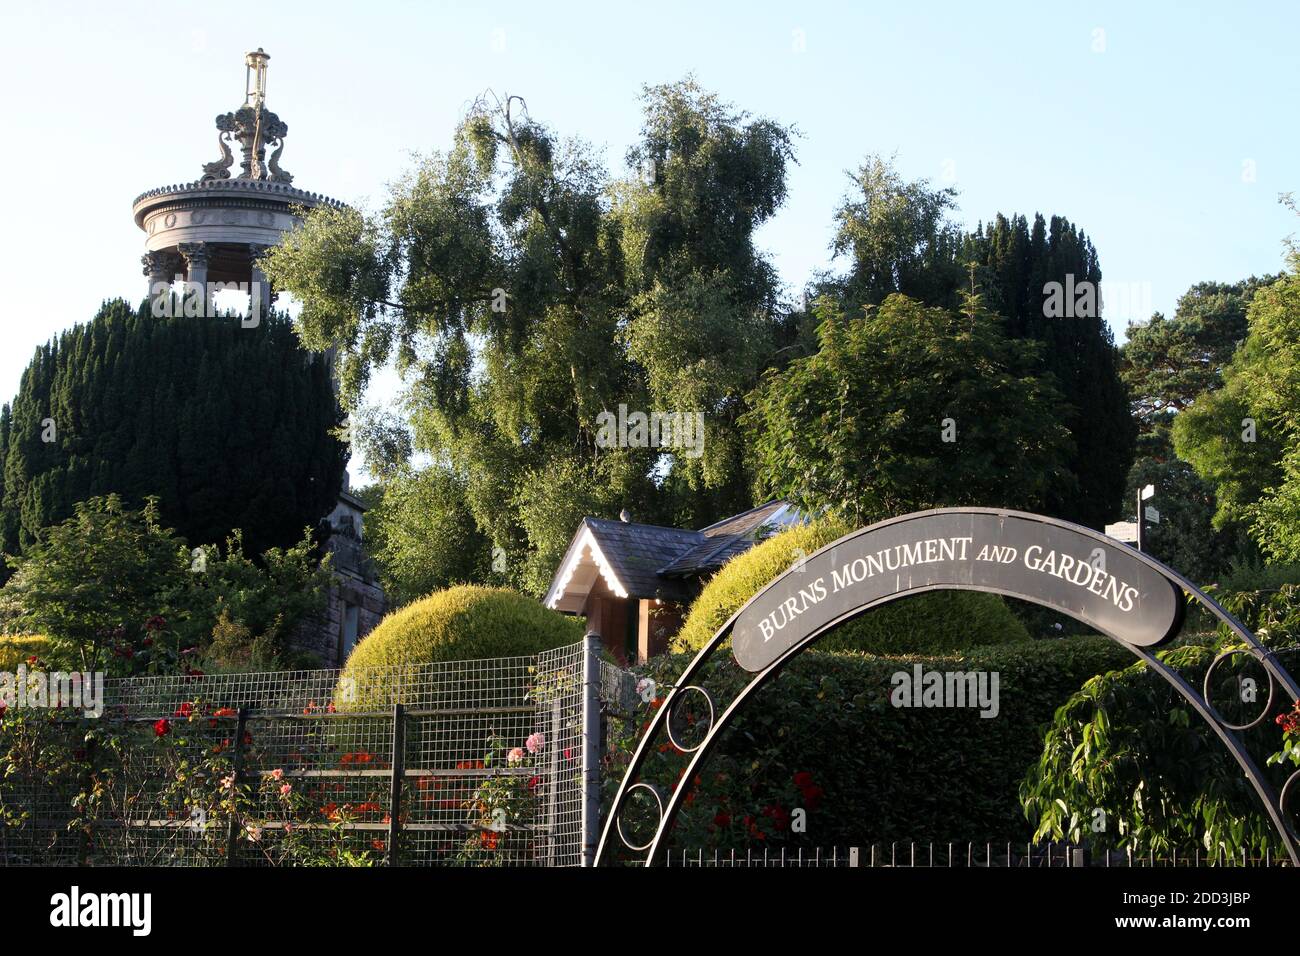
{"x":213,"y":230}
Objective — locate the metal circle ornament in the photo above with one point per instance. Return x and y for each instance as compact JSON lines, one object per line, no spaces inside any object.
{"x":1207,"y":692}
{"x":618,"y":821}
{"x":1282,"y":798}
{"x":673,"y":713}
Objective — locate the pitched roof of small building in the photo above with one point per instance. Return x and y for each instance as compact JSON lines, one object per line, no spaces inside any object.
{"x":651,"y":561}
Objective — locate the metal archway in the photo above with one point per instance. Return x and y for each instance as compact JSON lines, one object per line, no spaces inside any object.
{"x":1127,"y":595}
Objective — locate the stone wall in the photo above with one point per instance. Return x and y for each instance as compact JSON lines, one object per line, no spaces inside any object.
{"x":356,"y":589}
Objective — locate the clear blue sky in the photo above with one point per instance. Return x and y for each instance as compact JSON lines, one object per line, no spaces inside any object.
{"x":1142,"y":143}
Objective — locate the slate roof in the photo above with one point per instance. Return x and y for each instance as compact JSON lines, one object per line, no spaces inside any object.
{"x":636,"y":552}
{"x":652,"y":561}
{"x":722,"y":541}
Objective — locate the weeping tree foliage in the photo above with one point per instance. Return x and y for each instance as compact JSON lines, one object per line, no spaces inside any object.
{"x":229,"y":427}
{"x":522,"y":292}
{"x":421,"y":535}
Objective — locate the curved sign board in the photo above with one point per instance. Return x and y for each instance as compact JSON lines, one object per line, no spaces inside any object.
{"x":1062,"y":566}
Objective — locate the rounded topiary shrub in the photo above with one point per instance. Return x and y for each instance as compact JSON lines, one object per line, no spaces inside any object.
{"x":934,"y":622}
{"x":464,"y":623}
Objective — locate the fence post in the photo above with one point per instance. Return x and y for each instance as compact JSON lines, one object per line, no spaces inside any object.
{"x":554,"y":730}
{"x":398,"y":773}
{"x":590,"y":746}
{"x":232,"y":827}
{"x":87,"y":829}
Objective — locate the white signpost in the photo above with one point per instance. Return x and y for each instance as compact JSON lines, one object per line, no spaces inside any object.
{"x":1126,"y":531}
{"x":1145,"y":494}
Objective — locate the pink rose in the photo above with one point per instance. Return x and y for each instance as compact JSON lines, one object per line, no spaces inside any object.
{"x":516,"y":755}
{"x":535,"y":743}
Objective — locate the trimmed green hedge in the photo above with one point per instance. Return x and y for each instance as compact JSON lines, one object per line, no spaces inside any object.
{"x":886,"y":773}
{"x":464,"y":623}
{"x":15,"y":649}
{"x":934,"y":623}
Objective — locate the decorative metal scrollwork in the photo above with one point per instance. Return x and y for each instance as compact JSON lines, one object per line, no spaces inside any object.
{"x":672,"y":737}
{"x":765,"y":664}
{"x":620,"y":809}
{"x":1218,"y":714}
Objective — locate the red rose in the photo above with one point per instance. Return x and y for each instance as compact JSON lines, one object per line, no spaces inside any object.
{"x":184,"y":710}
{"x":812,"y":797}
{"x":722,"y":819}
{"x":779,"y":815}
{"x":162,"y":727}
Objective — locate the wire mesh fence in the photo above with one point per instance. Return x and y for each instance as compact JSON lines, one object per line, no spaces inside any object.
{"x":469,"y":762}
{"x":954,"y":855}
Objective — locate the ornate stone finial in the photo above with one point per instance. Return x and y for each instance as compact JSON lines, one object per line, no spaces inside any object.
{"x":255,"y":77}
{"x":255,"y":128}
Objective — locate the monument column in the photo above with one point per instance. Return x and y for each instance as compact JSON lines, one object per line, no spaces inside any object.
{"x":160,"y":267}
{"x":196,"y":263}
{"x":260,"y":289}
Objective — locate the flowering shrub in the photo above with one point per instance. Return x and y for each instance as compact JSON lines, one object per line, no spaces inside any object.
{"x":1128,"y":764}
{"x":504,"y":805}
{"x":178,"y":770}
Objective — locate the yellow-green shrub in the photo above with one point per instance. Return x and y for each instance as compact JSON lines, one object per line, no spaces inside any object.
{"x":933,"y":622}
{"x":17,"y":648}
{"x":464,"y":623}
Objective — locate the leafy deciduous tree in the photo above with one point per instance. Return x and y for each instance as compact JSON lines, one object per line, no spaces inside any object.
{"x":909,"y":407}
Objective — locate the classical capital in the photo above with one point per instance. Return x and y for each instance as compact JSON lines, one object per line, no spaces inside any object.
{"x":195,"y":253}
{"x":159,"y":264}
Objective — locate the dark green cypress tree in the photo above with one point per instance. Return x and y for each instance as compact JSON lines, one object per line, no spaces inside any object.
{"x":1017,"y":263}
{"x":228,"y":426}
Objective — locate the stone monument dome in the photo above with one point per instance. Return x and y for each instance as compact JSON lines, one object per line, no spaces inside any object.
{"x":217,"y":226}
{"x":211,"y":232}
